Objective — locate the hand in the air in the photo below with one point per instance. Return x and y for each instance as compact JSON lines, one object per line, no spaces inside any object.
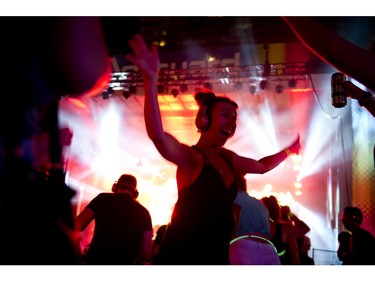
{"x":147,"y":60}
{"x":295,"y":146}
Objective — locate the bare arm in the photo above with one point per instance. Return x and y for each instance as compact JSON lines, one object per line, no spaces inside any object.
{"x":146,"y":247}
{"x":265,"y":164}
{"x":148,"y":63}
{"x":236,"y":216}
{"x":335,"y":50}
{"x":290,"y":240}
{"x":365,"y":99}
{"x":293,"y":249}
{"x":84,"y":219}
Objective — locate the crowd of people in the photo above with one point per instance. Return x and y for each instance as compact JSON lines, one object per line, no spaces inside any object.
{"x":263,"y":232}
{"x":214,"y":221}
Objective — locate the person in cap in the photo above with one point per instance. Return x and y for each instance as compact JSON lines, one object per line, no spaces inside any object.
{"x":123,"y":227}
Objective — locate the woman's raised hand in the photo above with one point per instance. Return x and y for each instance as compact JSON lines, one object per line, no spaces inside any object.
{"x":295,"y":146}
{"x":147,"y":60}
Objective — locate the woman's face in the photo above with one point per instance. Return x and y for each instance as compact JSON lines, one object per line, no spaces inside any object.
{"x":223,"y":121}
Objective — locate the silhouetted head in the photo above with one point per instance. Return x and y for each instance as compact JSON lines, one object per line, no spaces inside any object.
{"x":126,"y":182}
{"x":351,"y":217}
{"x":273,"y":207}
{"x":344,"y":238}
{"x":304,"y":244}
{"x":285,"y":212}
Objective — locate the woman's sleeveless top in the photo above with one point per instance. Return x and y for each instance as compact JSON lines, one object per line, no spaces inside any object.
{"x":202,"y":222}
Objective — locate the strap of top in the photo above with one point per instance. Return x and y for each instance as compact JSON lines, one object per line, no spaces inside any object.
{"x":207,"y":161}
{"x":196,"y":148}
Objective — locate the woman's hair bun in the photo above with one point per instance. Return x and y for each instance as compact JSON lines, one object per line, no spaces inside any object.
{"x":203,"y":98}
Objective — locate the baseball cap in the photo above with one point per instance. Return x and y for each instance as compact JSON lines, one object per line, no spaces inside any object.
{"x":126,"y":179}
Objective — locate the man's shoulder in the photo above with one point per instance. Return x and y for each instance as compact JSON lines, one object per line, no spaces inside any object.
{"x":104,"y":195}
{"x":365,"y":232}
{"x":365,"y":236}
{"x":141,"y":207}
